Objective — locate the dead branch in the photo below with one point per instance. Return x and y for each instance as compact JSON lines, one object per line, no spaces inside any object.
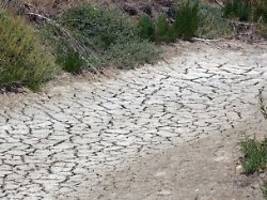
{"x":220,"y":3}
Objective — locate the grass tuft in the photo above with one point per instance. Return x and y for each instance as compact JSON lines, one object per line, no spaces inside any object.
{"x":212,"y":24}
{"x":185,"y":25}
{"x":187,"y":20}
{"x":146,"y":28}
{"x":164,"y":30}
{"x":255,"y":155}
{"x":239,"y":9}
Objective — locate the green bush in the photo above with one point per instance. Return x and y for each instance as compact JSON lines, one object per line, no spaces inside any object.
{"x":187,"y":20}
{"x":126,"y":54}
{"x":100,"y":37}
{"x":164,"y":30}
{"x":212,"y":24}
{"x":245,"y":10}
{"x":240,"y":9}
{"x":185,"y":26}
{"x":146,"y":28}
{"x":71,"y":61}
{"x":260,"y":11}
{"x":255,"y":155}
{"x":23,"y":60}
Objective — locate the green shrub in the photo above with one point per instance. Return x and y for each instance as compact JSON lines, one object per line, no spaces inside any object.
{"x":260,"y":11}
{"x":245,"y":10}
{"x":100,"y":37}
{"x":187,"y":20}
{"x":23,"y":60}
{"x":255,"y":155}
{"x":185,"y":25}
{"x":126,"y":54}
{"x":240,"y":9}
{"x":146,"y":28}
{"x":71,"y":61}
{"x":212,"y":24}
{"x":164,"y":31}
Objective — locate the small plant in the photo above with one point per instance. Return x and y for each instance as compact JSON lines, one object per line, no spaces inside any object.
{"x":126,"y":54}
{"x":164,"y":30}
{"x":146,"y":28}
{"x":187,"y":20}
{"x":260,"y":11}
{"x":255,"y":155}
{"x":240,"y":9}
{"x":23,"y":59}
{"x":212,"y":24}
{"x":71,"y":62}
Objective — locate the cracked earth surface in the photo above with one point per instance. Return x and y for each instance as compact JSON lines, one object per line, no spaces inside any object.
{"x":65,"y":143}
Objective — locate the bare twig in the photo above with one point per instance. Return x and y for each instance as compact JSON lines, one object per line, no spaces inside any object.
{"x":39,"y":16}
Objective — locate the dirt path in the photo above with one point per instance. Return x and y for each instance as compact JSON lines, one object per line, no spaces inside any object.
{"x":78,"y":140}
{"x":206,"y":169}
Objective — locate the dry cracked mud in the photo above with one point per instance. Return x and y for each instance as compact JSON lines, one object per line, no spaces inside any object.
{"x":168,"y":131}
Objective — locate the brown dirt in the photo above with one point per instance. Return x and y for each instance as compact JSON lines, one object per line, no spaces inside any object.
{"x":206,"y":169}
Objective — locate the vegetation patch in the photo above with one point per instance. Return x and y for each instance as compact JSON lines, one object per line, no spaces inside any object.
{"x":255,"y":158}
{"x":146,"y":27}
{"x":212,"y":24}
{"x":259,"y":10}
{"x":255,"y":155}
{"x":187,"y":20}
{"x":238,"y":9}
{"x":99,"y":37}
{"x":90,"y":38}
{"x":248,"y":11}
{"x":245,"y":10}
{"x":185,"y":25}
{"x":23,"y":59}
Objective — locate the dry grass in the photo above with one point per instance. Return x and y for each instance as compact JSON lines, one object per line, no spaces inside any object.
{"x":54,"y":7}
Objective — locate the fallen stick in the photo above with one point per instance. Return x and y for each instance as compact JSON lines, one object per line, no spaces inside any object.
{"x":219,"y":3}
{"x":39,"y":16}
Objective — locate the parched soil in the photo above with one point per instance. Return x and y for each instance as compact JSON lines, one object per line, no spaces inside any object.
{"x":168,"y":131}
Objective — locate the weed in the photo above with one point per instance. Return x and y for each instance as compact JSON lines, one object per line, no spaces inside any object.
{"x":212,"y":24}
{"x":164,"y":31}
{"x":259,"y":8}
{"x":146,"y":28}
{"x":239,"y":9}
{"x":185,"y":26}
{"x":187,"y":20}
{"x":71,"y":61}
{"x":255,"y":155}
